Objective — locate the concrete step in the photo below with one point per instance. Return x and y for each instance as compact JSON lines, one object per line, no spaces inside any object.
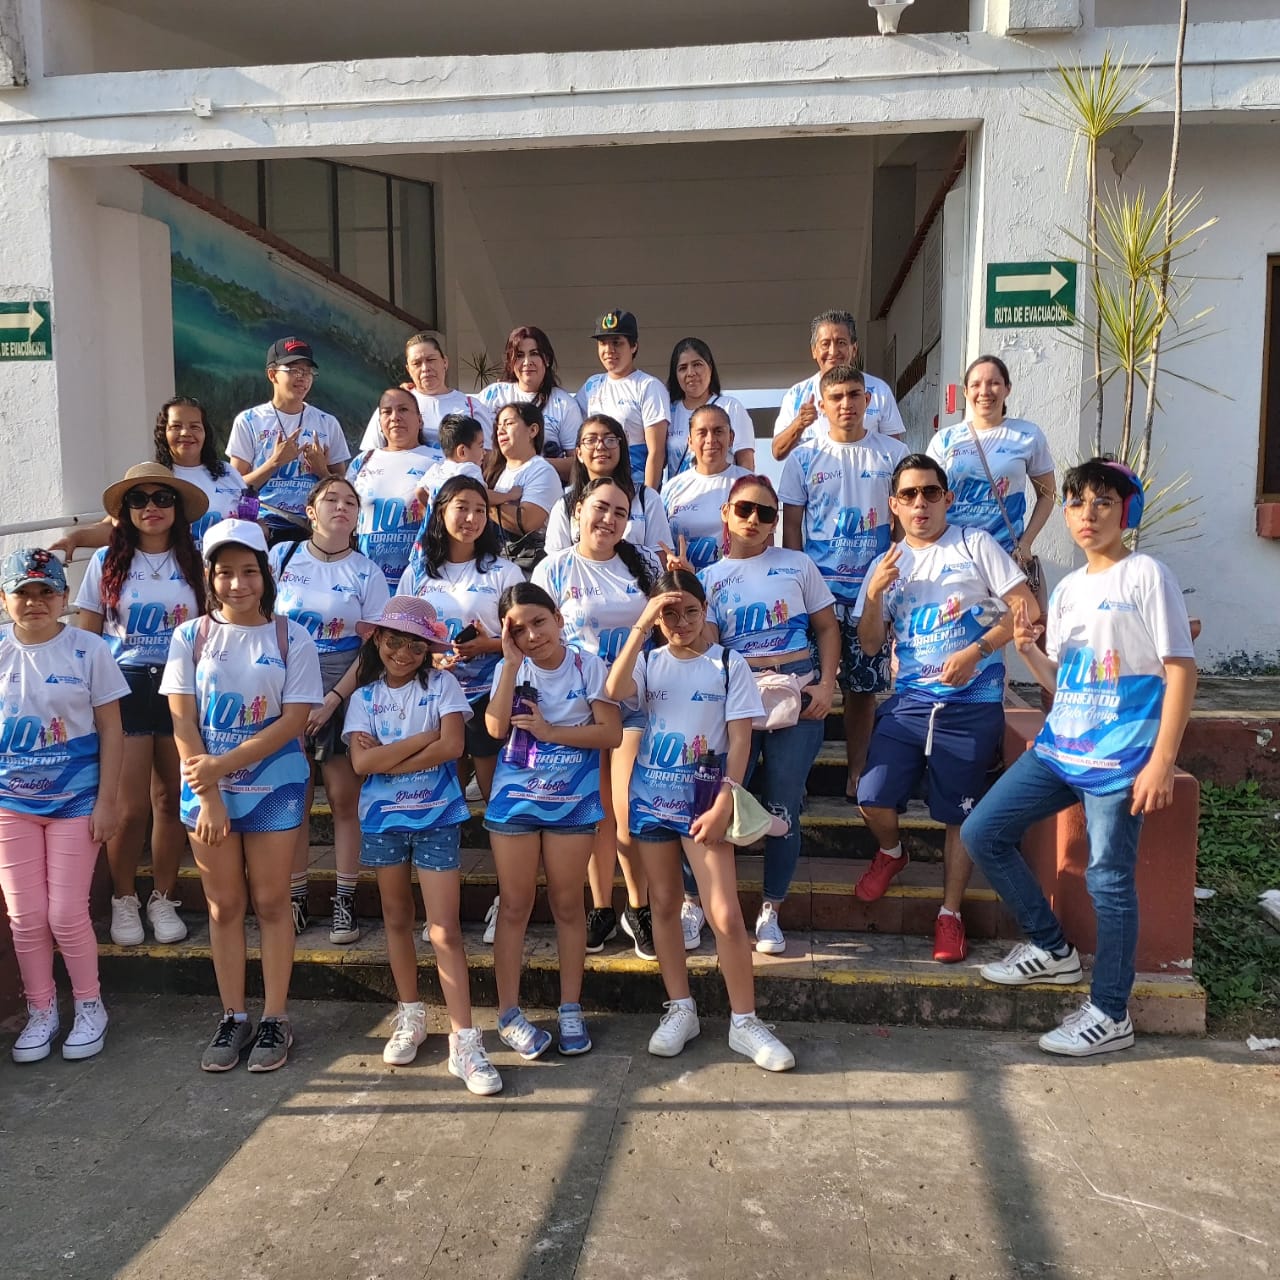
{"x":867,"y":978}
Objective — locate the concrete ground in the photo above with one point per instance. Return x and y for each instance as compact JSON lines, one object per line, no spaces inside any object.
{"x":888,"y":1153}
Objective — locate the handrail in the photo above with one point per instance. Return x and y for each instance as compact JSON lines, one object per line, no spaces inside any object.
{"x":54,"y":522}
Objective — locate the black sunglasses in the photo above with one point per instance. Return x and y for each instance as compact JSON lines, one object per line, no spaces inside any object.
{"x":745,"y":510}
{"x":139,"y":499}
{"x":932,"y":493}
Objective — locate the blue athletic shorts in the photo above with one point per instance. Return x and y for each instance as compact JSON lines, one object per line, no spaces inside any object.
{"x":965,"y":744}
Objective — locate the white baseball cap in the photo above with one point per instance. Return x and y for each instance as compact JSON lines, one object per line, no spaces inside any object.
{"x":243,"y":532}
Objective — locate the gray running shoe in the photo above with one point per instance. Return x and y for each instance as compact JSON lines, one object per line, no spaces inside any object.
{"x":230,"y":1040}
{"x":271,"y":1045}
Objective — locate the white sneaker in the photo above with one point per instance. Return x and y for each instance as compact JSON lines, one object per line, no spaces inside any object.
{"x":679,"y":1025}
{"x":769,"y":939}
{"x":1088,"y":1031}
{"x":36,"y":1040}
{"x":89,"y":1031}
{"x":469,"y":1062}
{"x":692,"y":919}
{"x":755,"y":1040}
{"x":426,"y":932}
{"x":408,"y":1031}
{"x":1027,"y":963}
{"x":491,"y":923}
{"x":126,"y":921}
{"x":163,"y":917}
{"x":473,"y":791}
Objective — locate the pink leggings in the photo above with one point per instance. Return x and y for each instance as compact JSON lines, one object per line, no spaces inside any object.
{"x":46,"y":868}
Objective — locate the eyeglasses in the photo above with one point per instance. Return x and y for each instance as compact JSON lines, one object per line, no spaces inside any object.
{"x":298,"y":370}
{"x":140,"y":499}
{"x":606,"y":443}
{"x":932,"y":493}
{"x":396,"y":642}
{"x":1099,"y":506}
{"x":673,"y":617}
{"x":745,"y":510}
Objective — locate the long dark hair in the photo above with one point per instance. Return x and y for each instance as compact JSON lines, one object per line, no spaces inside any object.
{"x":124,"y":543}
{"x":627,"y":552}
{"x":209,"y":460}
{"x":550,"y":379}
{"x":699,"y":348}
{"x":433,"y":543}
{"x":267,"y":605}
{"x":580,"y":477}
{"x":372,"y":668}
{"x":532,"y":417}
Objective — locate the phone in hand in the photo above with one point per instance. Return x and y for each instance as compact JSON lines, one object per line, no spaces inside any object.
{"x":467,"y":634}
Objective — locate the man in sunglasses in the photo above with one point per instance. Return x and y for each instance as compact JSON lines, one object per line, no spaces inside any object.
{"x":945,"y":595}
{"x":835,"y":491}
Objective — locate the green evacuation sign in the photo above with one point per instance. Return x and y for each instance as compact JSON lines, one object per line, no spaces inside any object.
{"x":1031,"y":295}
{"x":26,"y":331}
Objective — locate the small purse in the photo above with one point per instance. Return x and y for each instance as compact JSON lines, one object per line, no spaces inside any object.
{"x":781,"y":697}
{"x":751,"y":819}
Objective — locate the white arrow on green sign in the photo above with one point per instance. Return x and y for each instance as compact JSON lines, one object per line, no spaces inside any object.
{"x":1031,"y":295}
{"x":26,"y":330}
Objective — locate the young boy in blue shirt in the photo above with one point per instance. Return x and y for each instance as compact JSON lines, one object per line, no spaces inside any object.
{"x":1122,"y":669}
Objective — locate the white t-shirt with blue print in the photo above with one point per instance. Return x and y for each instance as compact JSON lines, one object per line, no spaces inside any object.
{"x":648,"y":526}
{"x":680,"y":455}
{"x":1015,"y":451}
{"x":562,"y":787}
{"x":688,"y":703}
{"x":48,"y":735}
{"x":693,"y":502}
{"x":328,"y":598}
{"x":1110,"y":633}
{"x":763,"y":605}
{"x":138,"y":629}
{"x":939,"y":605}
{"x":391,"y":512}
{"x":427,"y":798}
{"x":561,"y":416}
{"x":882,"y":414}
{"x":635,"y":401}
{"x":844,"y":490}
{"x":434,"y":410}
{"x":223,"y":494}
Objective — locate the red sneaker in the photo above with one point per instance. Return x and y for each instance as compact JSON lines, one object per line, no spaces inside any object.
{"x":950,"y":945}
{"x":875,"y":879}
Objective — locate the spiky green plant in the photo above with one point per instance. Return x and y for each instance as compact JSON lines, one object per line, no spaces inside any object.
{"x":483,"y":370}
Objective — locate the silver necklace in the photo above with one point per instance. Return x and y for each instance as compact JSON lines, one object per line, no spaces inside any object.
{"x":402,"y":706}
{"x":151,"y":564}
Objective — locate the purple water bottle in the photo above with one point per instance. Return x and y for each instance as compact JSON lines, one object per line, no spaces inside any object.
{"x":522,"y":746}
{"x":707,"y":777}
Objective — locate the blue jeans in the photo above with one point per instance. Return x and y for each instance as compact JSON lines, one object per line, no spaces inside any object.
{"x":783,"y":758}
{"x":1027,"y":792}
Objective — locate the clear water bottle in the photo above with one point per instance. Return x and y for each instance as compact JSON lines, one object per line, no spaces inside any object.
{"x":988,"y":611}
{"x":707,"y":777}
{"x":521,"y":747}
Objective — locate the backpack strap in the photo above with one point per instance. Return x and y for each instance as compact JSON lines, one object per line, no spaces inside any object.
{"x":201,"y":638}
{"x":282,"y":636}
{"x":724,"y":657}
{"x":288,"y":555}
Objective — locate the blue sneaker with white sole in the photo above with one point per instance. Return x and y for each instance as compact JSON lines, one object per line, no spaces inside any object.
{"x":573,"y":1031}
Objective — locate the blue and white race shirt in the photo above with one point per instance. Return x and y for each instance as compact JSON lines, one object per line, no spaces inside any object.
{"x":599,"y":599}
{"x":561,"y":416}
{"x":680,"y":456}
{"x":636,"y":401}
{"x":687,"y":703}
{"x":440,"y":472}
{"x":882,"y":414}
{"x":426,"y":798}
{"x":391,"y":512}
{"x":242,"y":685}
{"x":256,"y":432}
{"x":461,"y":596}
{"x":562,"y":788}
{"x":328,"y":598}
{"x":48,"y":737}
{"x":693,"y":502}
{"x":844,"y":490}
{"x":1109,"y":633}
{"x":647,"y":527}
{"x":1015,"y":450}
{"x":939,"y":605}
{"x":762,"y":605}
{"x":138,"y":629}
{"x":434,"y":410}
{"x":223,"y":494}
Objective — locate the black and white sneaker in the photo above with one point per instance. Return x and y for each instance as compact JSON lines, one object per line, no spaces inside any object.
{"x":344,"y":929}
{"x":1088,"y":1031}
{"x":637,"y":924}
{"x":602,"y":924}
{"x":1027,"y":964}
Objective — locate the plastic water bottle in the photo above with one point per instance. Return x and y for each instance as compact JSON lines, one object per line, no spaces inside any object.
{"x":707,"y":777}
{"x":521,"y":747}
{"x":987,"y":612}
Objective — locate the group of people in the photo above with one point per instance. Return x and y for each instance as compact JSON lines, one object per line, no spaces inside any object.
{"x":577,"y":609}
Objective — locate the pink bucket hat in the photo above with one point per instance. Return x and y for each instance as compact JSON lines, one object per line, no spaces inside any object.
{"x":411,"y":615}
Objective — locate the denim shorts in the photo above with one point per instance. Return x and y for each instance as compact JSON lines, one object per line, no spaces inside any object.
{"x":633,"y":718}
{"x":658,"y":835}
{"x":480,"y":744}
{"x":537,"y":829}
{"x":144,"y":710}
{"x":437,"y":849}
{"x":861,"y":672}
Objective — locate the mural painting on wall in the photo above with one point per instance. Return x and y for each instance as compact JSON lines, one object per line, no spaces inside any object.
{"x":233,"y":297}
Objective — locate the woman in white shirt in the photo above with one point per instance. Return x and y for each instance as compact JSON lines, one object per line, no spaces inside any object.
{"x":694,"y":499}
{"x":518,"y":464}
{"x":692,"y":381}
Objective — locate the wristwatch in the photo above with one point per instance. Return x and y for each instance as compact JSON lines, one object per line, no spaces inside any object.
{"x":984,"y":648}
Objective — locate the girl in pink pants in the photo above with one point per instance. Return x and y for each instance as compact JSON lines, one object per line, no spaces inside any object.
{"x":60,"y":696}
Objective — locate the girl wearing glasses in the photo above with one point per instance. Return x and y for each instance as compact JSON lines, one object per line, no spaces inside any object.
{"x":601,"y":453}
{"x":518,"y":464}
{"x":773,"y":607}
{"x":328,"y":587}
{"x":404,"y":728}
{"x":136,"y":590}
{"x":529,"y":375}
{"x":698,"y":700}
{"x":692,"y":381}
{"x":600,"y":585}
{"x":695,"y":498}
